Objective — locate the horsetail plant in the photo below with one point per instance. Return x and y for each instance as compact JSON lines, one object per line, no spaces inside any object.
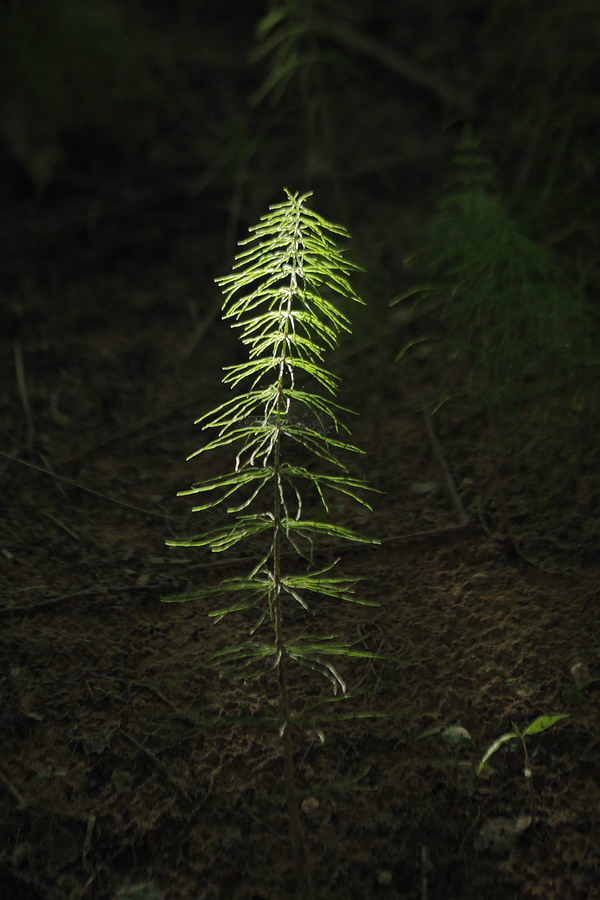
{"x":284,"y":296}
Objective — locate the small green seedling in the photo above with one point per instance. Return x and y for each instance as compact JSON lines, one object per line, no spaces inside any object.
{"x":286,"y":296}
{"x":542,"y":723}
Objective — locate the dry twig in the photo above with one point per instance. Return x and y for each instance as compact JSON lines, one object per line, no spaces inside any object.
{"x":24,"y":394}
{"x":441,"y":459}
{"x":156,"y":762}
{"x":88,"y":490}
{"x":12,"y":790}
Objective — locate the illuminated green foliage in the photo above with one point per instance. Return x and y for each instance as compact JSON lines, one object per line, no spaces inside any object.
{"x":283,"y":297}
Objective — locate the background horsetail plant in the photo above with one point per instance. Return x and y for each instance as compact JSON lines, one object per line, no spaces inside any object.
{"x":283,"y":295}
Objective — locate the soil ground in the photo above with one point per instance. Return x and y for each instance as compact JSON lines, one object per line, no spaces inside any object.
{"x":131,"y":769}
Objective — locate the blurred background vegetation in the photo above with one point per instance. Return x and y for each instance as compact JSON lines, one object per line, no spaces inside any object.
{"x":457,"y":139}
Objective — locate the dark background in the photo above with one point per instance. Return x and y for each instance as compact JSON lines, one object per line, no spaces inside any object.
{"x":138,"y":142}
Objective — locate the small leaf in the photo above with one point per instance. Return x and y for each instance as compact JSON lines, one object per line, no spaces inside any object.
{"x":423,"y":487}
{"x":409,"y":345}
{"x":508,"y":736}
{"x":417,"y":289}
{"x":309,"y":805}
{"x":543,"y":722}
{"x":456,"y":735}
{"x":435,"y":729}
{"x":581,"y":674}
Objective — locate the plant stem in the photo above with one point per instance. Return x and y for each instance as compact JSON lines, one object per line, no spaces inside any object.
{"x":528,"y":775}
{"x":296,"y":830}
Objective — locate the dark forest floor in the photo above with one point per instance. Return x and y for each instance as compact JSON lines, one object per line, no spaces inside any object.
{"x":112,"y":787}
